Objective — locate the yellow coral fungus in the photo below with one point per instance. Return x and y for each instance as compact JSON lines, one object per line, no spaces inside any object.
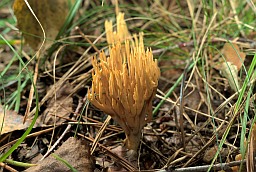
{"x":123,"y":86}
{"x":121,"y":33}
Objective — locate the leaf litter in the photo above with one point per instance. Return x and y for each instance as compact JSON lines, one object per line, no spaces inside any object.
{"x":207,"y":106}
{"x":11,"y":121}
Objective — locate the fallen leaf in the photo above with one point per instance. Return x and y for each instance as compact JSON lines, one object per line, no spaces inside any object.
{"x":51,"y":14}
{"x":74,"y":151}
{"x":62,"y":106}
{"x":211,"y":152}
{"x":233,"y":55}
{"x":234,"y":59}
{"x":11,"y":121}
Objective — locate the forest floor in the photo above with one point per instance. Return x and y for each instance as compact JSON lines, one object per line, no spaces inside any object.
{"x":203,"y":111}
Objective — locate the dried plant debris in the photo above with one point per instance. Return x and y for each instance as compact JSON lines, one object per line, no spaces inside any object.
{"x":59,"y":107}
{"x":233,"y":55}
{"x":251,"y":150}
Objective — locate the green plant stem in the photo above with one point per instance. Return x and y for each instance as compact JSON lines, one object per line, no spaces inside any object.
{"x":19,"y":164}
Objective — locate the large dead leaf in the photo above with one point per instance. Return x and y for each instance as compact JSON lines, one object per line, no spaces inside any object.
{"x":58,"y":109}
{"x":51,"y":14}
{"x":11,"y":121}
{"x":233,"y":55}
{"x":234,"y":59}
{"x":75,"y":152}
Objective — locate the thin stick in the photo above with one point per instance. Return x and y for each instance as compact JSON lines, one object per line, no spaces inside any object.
{"x":216,"y":167}
{"x":7,"y":167}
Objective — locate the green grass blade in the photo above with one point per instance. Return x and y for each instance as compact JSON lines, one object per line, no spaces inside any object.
{"x":19,"y":164}
{"x":67,"y":23}
{"x":64,"y":162}
{"x":245,"y":84}
{"x":15,"y":146}
{"x":237,"y":105}
{"x":244,"y":122}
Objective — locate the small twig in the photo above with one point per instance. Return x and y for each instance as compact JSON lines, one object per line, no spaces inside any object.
{"x":87,"y":39}
{"x":7,"y":167}
{"x":216,"y":167}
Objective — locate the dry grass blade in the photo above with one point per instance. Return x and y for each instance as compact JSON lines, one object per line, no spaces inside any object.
{"x":172,"y":158}
{"x":38,"y":54}
{"x":100,"y":132}
{"x":32,"y":91}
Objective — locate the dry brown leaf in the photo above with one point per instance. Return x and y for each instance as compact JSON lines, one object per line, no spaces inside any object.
{"x":234,"y":61}
{"x":11,"y":121}
{"x":51,"y":14}
{"x":74,"y":151}
{"x":61,"y":107}
{"x":233,"y":55}
{"x":211,"y":152}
